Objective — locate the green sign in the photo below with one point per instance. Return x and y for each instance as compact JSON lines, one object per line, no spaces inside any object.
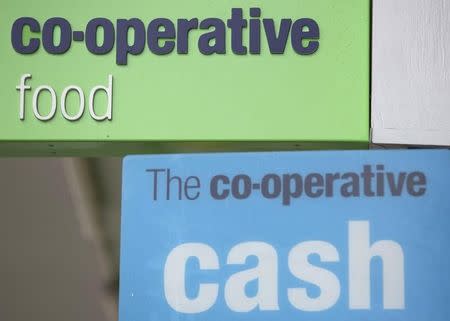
{"x":108,"y":77}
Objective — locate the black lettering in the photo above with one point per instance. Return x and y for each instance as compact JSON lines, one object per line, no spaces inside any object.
{"x":217,"y":35}
{"x":246,"y":184}
{"x":108,"y":36}
{"x":299,"y":36}
{"x":184,"y":26}
{"x":155,"y":35}
{"x":17,"y":35}
{"x":314,"y":185}
{"x":367,"y":176}
{"x":277,"y":43}
{"x":123,"y":46}
{"x":416,"y":184}
{"x":48,"y":32}
{"x":288,"y":191}
{"x":350,"y":188}
{"x":329,"y":186}
{"x":214,"y":187}
{"x":237,"y":24}
{"x":396,"y":187}
{"x":194,"y":186}
{"x":276,"y":182}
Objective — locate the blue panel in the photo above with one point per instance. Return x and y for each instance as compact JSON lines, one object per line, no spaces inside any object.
{"x":286,"y":236}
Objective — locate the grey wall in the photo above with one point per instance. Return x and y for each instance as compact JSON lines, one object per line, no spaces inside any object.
{"x":48,"y":271}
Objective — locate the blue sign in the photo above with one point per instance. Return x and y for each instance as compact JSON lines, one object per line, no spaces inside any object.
{"x":358,"y":235}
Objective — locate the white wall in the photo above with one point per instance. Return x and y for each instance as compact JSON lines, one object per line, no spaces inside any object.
{"x":411,"y":72}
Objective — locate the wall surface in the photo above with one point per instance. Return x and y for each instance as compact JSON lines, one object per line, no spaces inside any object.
{"x":411,"y":72}
{"x":48,"y":271}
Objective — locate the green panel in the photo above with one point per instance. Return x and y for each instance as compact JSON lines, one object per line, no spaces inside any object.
{"x":313,"y":99}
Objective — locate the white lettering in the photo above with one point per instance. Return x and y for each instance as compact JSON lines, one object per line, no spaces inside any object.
{"x":36,"y":94}
{"x":108,"y":90}
{"x":330,"y":288}
{"x":63,"y":103}
{"x":360,"y":256}
{"x":175,"y":273}
{"x":266,"y":273}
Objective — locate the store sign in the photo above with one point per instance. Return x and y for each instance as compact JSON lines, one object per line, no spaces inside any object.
{"x":284,"y":236}
{"x":168,"y":70}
